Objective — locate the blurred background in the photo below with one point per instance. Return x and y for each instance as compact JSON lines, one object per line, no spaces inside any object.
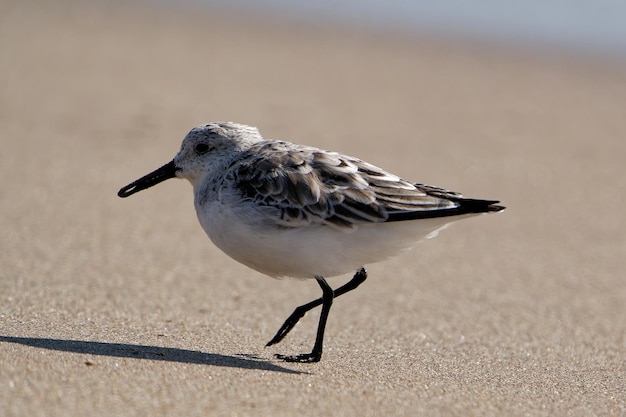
{"x":577,"y":25}
{"x":513,"y":314}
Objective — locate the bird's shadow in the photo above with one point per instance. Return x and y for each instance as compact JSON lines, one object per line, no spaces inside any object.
{"x":155,"y":353}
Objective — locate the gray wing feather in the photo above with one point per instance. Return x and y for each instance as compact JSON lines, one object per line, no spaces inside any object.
{"x":300,"y":186}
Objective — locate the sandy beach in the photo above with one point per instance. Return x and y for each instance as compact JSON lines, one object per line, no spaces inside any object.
{"x":124,"y":307}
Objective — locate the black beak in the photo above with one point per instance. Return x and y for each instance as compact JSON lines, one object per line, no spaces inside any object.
{"x":166,"y":172}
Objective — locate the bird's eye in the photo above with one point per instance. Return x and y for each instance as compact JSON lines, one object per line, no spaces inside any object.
{"x":202,"y":148}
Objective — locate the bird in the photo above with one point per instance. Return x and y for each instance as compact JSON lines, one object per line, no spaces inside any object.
{"x":290,"y":210}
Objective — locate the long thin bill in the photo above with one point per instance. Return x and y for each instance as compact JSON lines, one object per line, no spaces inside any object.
{"x":166,"y":172}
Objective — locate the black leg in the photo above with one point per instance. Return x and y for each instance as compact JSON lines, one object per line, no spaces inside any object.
{"x":316,"y":353}
{"x":327,"y":301}
{"x":300,"y":311}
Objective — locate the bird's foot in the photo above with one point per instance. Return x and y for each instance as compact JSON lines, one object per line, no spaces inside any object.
{"x":303,"y":358}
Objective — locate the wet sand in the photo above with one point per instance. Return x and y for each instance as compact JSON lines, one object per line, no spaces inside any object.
{"x":124,"y":307}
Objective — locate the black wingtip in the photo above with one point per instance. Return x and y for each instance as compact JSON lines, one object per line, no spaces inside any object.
{"x":470,"y":205}
{"x":494,"y":208}
{"x":465,"y":206}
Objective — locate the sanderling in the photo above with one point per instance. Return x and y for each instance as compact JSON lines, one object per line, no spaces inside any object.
{"x":289,"y":210}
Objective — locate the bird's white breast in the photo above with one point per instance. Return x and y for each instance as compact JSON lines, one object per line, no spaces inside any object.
{"x":308,"y":251}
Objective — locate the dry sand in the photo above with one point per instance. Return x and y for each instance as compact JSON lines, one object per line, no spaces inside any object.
{"x":124,"y":307}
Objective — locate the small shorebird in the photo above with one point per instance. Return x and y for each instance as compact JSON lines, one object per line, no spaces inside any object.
{"x":289,"y":210}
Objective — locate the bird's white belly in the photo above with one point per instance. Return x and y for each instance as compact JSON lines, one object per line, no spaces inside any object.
{"x":316,"y":250}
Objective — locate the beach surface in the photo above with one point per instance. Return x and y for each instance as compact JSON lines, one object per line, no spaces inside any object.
{"x":124,"y":307}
